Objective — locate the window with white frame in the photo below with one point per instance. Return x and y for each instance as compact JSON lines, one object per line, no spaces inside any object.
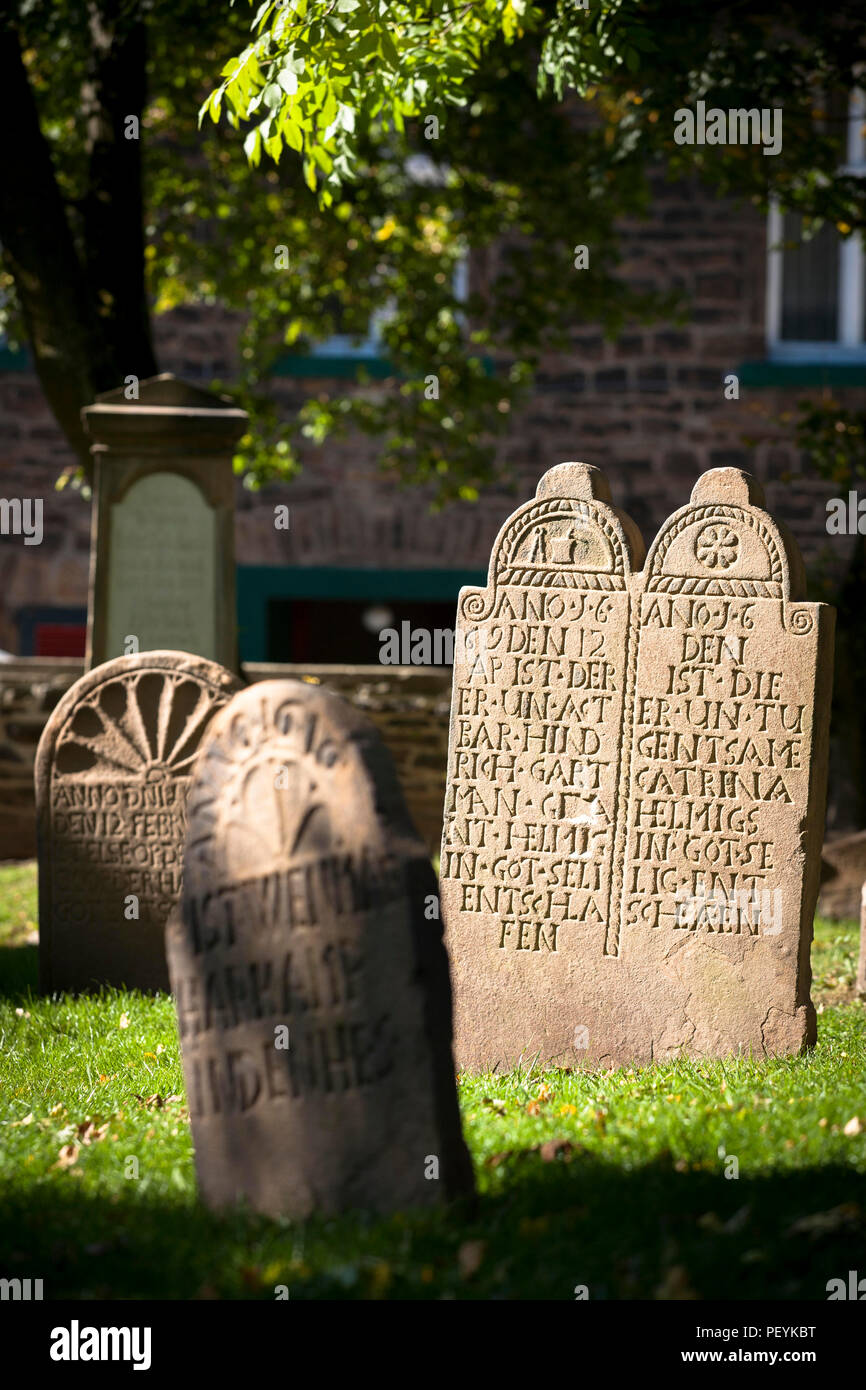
{"x":815,"y":287}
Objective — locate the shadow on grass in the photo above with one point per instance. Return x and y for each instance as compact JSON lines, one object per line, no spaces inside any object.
{"x":19,"y":971}
{"x":651,"y":1232}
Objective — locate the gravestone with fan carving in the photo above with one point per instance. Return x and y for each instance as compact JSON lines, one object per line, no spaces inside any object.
{"x":313,"y":996}
{"x":112,"y":772}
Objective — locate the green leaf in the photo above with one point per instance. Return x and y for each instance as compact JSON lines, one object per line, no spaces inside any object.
{"x":293,"y":134}
{"x":253,"y":146}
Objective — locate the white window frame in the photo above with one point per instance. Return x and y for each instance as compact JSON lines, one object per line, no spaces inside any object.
{"x":850,"y":341}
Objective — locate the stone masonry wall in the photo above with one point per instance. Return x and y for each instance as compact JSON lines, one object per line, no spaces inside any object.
{"x":409,"y":705}
{"x":648,"y":408}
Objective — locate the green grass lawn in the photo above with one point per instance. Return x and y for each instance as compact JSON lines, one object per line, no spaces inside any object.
{"x":614,"y":1181}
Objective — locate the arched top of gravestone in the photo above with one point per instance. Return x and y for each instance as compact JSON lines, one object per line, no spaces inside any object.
{"x":290,"y":769}
{"x":569,"y":536}
{"x":724,"y":543}
{"x":134,"y":718}
{"x":166,"y":408}
{"x":305,"y":890}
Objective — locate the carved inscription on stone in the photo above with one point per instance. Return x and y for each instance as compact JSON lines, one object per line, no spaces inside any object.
{"x":312,"y":985}
{"x":112,"y":774}
{"x":636,"y":783}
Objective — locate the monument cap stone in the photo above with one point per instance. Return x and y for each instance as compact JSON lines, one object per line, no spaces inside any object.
{"x":162,"y":546}
{"x":112,"y":771}
{"x":312,"y":985}
{"x":636,"y":781}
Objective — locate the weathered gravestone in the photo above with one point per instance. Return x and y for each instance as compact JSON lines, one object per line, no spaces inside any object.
{"x":637,"y":770}
{"x":162,"y":549}
{"x":312,"y":986}
{"x":112,"y":772}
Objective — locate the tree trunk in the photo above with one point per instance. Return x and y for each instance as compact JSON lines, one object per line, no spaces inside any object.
{"x":39,"y":251}
{"x":84,"y":310}
{"x":113,"y":209}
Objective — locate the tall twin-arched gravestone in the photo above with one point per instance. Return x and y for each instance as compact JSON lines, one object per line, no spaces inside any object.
{"x":312,"y":985}
{"x":636,"y":783}
{"x":112,"y":772}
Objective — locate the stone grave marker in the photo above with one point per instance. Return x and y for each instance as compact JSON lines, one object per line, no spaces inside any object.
{"x":312,"y":985}
{"x":162,"y":548}
{"x":636,"y":783}
{"x":112,"y":772}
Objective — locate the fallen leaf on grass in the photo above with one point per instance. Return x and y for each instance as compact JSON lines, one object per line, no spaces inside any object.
{"x":675,"y":1285}
{"x":19,"y":1124}
{"x":552,"y":1149}
{"x":494,"y":1160}
{"x":151,"y":1102}
{"x":542,"y":1096}
{"x":90,"y":1132}
{"x":854,"y":1126}
{"x":497,"y":1105}
{"x":469,"y":1257}
{"x":548,"y":1151}
{"x":67,"y":1156}
{"x":821,"y":1223}
{"x":124,"y":1021}
{"x":738,"y":1221}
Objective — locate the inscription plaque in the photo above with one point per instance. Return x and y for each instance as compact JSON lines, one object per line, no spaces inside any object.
{"x":637,"y":769}
{"x":312,"y":984}
{"x":163,"y":549}
{"x":112,"y":774}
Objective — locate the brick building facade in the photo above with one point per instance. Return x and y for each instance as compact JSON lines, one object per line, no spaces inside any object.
{"x":649,"y":408}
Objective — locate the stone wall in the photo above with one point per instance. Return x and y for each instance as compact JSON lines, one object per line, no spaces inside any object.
{"x":410,"y":706}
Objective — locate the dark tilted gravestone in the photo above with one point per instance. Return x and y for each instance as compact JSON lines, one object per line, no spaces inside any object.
{"x":636,"y":782}
{"x":162,"y":558}
{"x":112,"y":772}
{"x":312,"y":985}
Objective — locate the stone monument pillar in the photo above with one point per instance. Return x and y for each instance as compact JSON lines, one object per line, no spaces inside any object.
{"x":162,"y":568}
